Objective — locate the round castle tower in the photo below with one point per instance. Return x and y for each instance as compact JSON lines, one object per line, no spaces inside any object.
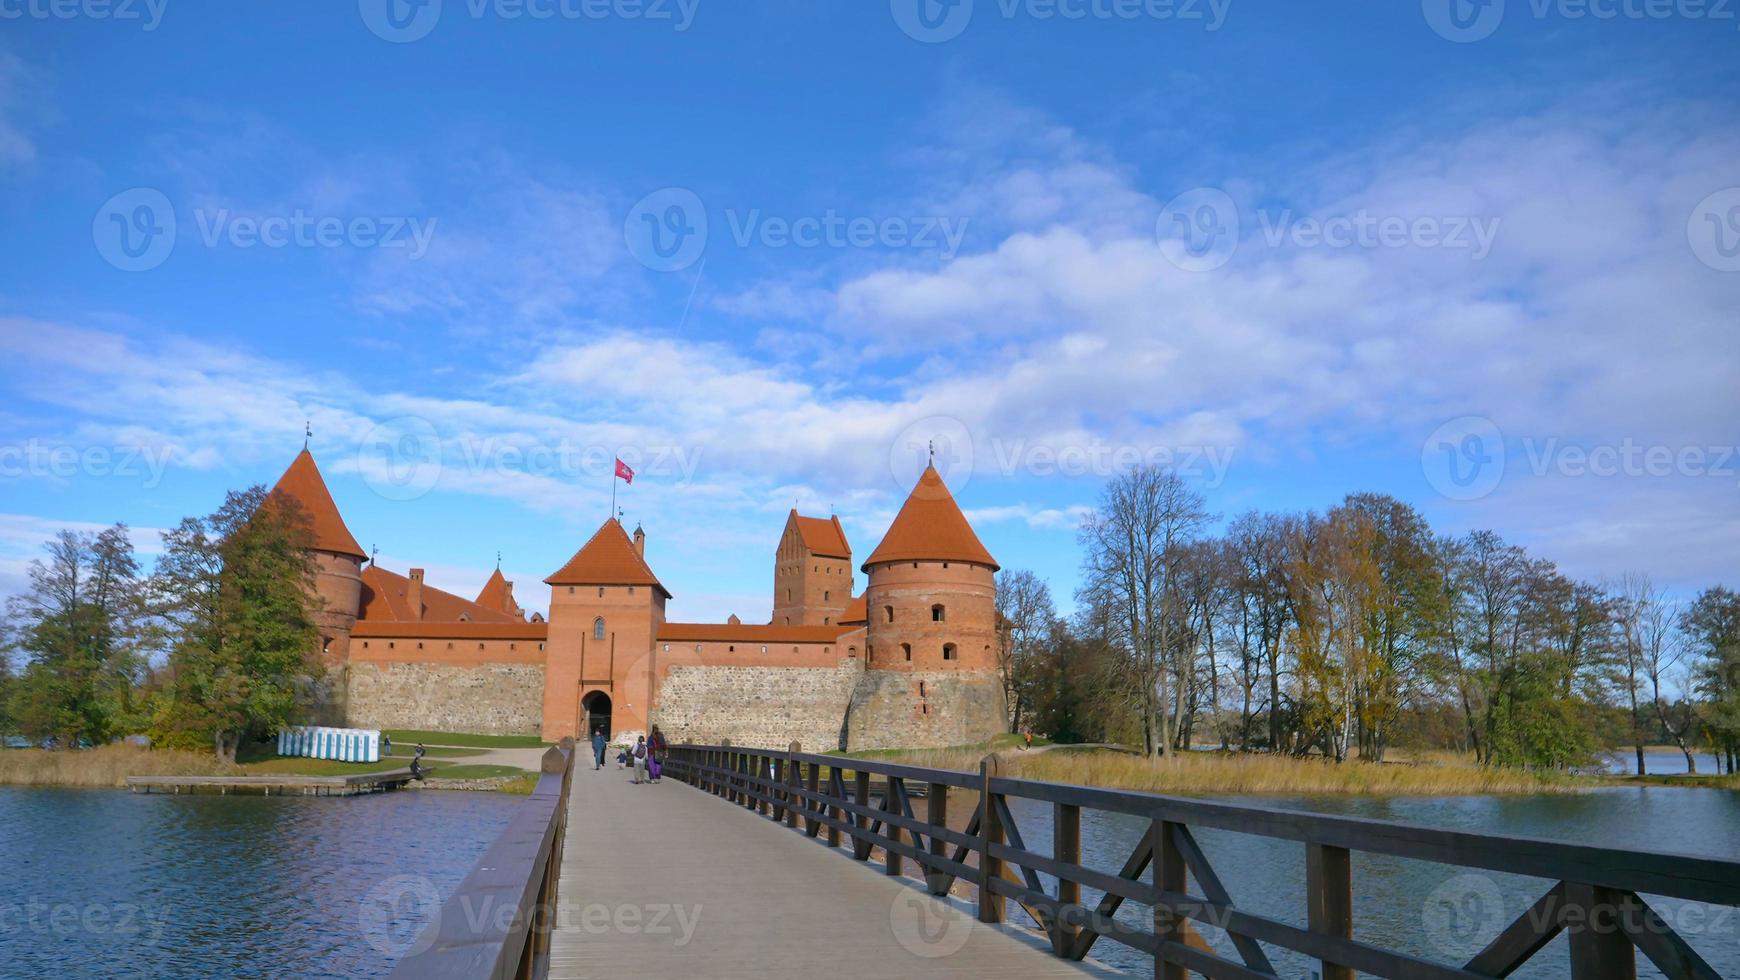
{"x":931,"y":670}
{"x":337,"y":574}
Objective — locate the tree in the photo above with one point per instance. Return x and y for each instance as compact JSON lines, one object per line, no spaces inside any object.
{"x":81,"y":628}
{"x":1635,"y":594}
{"x":1711,"y":629}
{"x":1025,"y":617}
{"x":237,"y":588}
{"x":1134,"y":542}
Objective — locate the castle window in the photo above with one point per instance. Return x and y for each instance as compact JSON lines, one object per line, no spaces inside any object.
{"x":601,"y":592}
{"x":570,"y":590}
{"x":936,"y":613}
{"x":419,"y":645}
{"x":540,"y":648}
{"x":948,"y":651}
{"x":667,"y":648}
{"x":449,"y":644}
{"x":906,"y":649}
{"x":598,"y":628}
{"x":465,"y":617}
{"x":945,"y":564}
{"x":826,"y":620}
{"x":731,"y":649}
{"x":924,"y":709}
{"x":513,"y":646}
{"x":480,"y":646}
{"x":365,"y":644}
{"x":326,"y":644}
{"x":851,"y":651}
{"x":631,"y":590}
{"x":888,"y":611}
{"x":921,"y":689}
{"x":764,"y":648}
{"x":697,"y":648}
{"x":391,"y":644}
{"x":826,"y":595}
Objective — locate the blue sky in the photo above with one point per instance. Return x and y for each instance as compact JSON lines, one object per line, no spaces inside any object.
{"x":1486,"y":259}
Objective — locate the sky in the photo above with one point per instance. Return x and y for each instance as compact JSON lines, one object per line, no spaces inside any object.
{"x":1484,"y":257}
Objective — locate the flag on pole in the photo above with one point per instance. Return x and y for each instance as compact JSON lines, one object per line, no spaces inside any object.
{"x":623,"y":472}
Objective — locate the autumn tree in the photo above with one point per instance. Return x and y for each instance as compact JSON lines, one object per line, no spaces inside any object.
{"x":1025,"y":620}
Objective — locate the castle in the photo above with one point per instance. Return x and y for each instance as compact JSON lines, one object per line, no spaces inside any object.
{"x":912,"y":661}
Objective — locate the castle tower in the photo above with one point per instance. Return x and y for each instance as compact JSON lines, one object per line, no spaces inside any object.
{"x":812,"y":572}
{"x":931,"y":674}
{"x":606,"y":606}
{"x":498,"y":596}
{"x":337,"y":557}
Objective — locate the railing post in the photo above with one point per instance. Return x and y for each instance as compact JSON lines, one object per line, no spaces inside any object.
{"x":891,"y":862}
{"x":743,"y":766}
{"x":990,"y":833}
{"x":1329,"y":898}
{"x":760,"y":773}
{"x":861,"y":790}
{"x":778,"y":780}
{"x":836,"y":791}
{"x":1168,"y":871}
{"x":1066,"y":848}
{"x":936,"y":813}
{"x":1600,"y":949}
{"x":813,"y":824}
{"x":792,"y":775}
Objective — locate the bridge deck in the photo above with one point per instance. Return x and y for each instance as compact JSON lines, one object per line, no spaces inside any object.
{"x":645,"y":867}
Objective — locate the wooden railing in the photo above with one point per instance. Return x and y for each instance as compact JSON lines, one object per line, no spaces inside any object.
{"x":1596,"y":898}
{"x":474,"y":936}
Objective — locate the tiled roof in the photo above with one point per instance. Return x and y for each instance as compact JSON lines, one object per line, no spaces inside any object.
{"x":825,"y":538}
{"x":303,"y":484}
{"x":497,"y":594}
{"x":750,"y":633}
{"x":384,"y":600}
{"x":608,"y":558}
{"x":857,"y":612}
{"x":930,"y":527}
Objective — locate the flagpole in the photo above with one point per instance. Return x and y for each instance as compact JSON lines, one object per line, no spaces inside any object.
{"x":613,"y":493}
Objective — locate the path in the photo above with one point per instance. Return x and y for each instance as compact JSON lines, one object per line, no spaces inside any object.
{"x":667,"y":881}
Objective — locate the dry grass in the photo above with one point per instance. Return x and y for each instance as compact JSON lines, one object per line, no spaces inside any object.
{"x":1213,"y":773}
{"x":107,"y":766}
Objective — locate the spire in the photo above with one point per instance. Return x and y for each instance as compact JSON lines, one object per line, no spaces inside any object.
{"x":607,"y":558}
{"x":930,"y":527}
{"x":307,"y":432}
{"x":303,"y":483}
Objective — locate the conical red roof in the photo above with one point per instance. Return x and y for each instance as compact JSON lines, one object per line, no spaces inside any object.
{"x":608,"y":558}
{"x":302,"y":483}
{"x":930,"y":527}
{"x":496,"y":594}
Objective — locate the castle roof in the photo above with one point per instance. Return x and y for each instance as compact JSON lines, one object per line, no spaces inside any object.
{"x":608,"y":558}
{"x":303,"y":484}
{"x":823,"y":538}
{"x":385,"y":598}
{"x":498,"y":594}
{"x":750,"y":633}
{"x":857,"y":612}
{"x":930,"y":527}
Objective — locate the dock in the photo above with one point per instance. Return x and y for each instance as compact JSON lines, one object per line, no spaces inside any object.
{"x":284,"y":785}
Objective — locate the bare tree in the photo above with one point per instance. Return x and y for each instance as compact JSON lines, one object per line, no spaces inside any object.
{"x":1025,"y":615}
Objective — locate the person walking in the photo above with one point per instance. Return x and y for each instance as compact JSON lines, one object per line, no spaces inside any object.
{"x":655,"y":753}
{"x":598,"y":748}
{"x":639,"y":754}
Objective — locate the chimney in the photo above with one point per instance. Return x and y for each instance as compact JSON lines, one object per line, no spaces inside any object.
{"x":734,"y":621}
{"x":507,"y":600}
{"x":639,"y":541}
{"x":414,"y":594}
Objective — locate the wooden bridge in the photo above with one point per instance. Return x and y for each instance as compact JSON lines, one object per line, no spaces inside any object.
{"x":786,"y":864}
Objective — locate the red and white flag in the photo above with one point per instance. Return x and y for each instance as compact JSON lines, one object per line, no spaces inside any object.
{"x":622,"y":471}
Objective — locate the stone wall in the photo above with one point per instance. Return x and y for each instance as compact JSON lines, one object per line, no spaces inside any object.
{"x":489,"y":699}
{"x":924,"y":709}
{"x":758,"y":707}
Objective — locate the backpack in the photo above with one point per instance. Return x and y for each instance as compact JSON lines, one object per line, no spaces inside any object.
{"x":640,"y":750}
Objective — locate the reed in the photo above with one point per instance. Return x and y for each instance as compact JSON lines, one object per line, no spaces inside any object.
{"x":1228,"y":774}
{"x":106,"y":766}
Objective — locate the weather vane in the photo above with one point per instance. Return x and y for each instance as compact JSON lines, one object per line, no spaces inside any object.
{"x":374,"y":554}
{"x":307,"y":432}
{"x":933,"y":451}
{"x":498,"y":560}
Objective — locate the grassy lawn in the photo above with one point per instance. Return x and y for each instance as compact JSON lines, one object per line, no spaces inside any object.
{"x":408,"y":752}
{"x":410,"y":737}
{"x":262,"y":759}
{"x":475,"y":772}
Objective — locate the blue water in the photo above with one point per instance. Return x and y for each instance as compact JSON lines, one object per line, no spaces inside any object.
{"x":105,"y":883}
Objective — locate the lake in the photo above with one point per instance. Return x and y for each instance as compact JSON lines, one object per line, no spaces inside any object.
{"x":109,"y":883}
{"x":1430,"y":910}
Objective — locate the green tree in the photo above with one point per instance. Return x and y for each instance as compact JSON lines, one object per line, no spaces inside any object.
{"x":237,"y":588}
{"x":81,"y":629}
{"x":1711,"y":627}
